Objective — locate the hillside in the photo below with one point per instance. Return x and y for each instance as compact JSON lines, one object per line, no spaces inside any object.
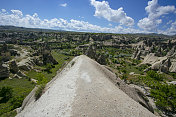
{"x":142,"y":66}
{"x":15,"y":28}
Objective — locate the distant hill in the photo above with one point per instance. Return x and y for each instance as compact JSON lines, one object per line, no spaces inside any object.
{"x":15,"y":28}
{"x":152,"y":35}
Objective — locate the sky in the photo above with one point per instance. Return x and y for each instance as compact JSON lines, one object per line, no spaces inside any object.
{"x":109,"y":16}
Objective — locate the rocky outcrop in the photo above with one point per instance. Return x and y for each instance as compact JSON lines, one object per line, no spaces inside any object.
{"x":173,"y":66}
{"x":48,"y":58}
{"x":38,"y":60}
{"x":172,"y":51}
{"x":17,"y":76}
{"x":159,"y":51}
{"x":13,"y":67}
{"x":26,"y":64}
{"x":101,"y":37}
{"x":91,"y":52}
{"x":138,"y":55}
{"x":14,"y":52}
{"x":101,"y":59}
{"x":161,"y":55}
{"x":91,"y":93}
{"x":15,"y":70}
{"x":163,"y":64}
{"x":4,"y":71}
{"x":134,"y":54}
{"x":134,"y":92}
{"x":150,"y":59}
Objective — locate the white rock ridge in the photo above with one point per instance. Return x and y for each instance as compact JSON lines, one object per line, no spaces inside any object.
{"x":83,"y":89}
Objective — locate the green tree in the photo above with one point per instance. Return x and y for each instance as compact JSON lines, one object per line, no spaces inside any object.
{"x":5,"y":93}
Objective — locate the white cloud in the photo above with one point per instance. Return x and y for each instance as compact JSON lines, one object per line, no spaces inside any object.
{"x":171,"y":30}
{"x":148,"y":24}
{"x":3,"y":10}
{"x":16,"y":18}
{"x":109,"y":24}
{"x":102,"y":9}
{"x":17,"y":13}
{"x":155,"y":11}
{"x":169,"y":22}
{"x":81,"y":17}
{"x":63,"y":5}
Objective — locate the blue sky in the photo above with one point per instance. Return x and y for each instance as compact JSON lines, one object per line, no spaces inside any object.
{"x":109,"y":16}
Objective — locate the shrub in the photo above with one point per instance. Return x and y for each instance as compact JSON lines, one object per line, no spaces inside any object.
{"x":5,"y":93}
{"x":124,"y":71}
{"x":173,"y":75}
{"x":16,"y":101}
{"x":115,"y":61}
{"x":72,"y":63}
{"x":39,"y":91}
{"x":9,"y":114}
{"x":48,"y":68}
{"x":165,"y":96}
{"x":41,"y":79}
{"x":155,"y":75}
{"x":124,"y":77}
{"x":142,"y":67}
{"x":5,"y":56}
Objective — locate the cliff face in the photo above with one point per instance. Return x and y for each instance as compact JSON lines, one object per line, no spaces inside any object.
{"x":83,"y":88}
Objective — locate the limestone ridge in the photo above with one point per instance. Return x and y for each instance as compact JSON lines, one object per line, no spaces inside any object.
{"x":160,"y":55}
{"x":84,"y":88}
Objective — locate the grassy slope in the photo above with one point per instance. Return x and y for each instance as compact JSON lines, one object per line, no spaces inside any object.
{"x":21,"y":88}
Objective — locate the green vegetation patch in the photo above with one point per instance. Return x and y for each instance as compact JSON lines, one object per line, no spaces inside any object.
{"x":163,"y":93}
{"x":39,"y":91}
{"x":16,"y":90}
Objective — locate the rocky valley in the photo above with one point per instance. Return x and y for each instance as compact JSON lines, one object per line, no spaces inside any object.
{"x":59,"y":73}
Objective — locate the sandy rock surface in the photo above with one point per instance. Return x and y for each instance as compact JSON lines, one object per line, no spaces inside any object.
{"x":84,"y":89}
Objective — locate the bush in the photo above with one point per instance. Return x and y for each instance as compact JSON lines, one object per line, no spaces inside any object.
{"x":124,"y":71}
{"x":48,"y":68}
{"x":142,"y":67}
{"x":124,"y":77}
{"x":135,"y":62}
{"x":5,"y":93}
{"x":165,"y":97}
{"x":39,"y":91}
{"x":9,"y":114}
{"x":41,"y":79}
{"x":16,"y":101}
{"x":115,"y":61}
{"x":72,"y":63}
{"x":5,"y":56}
{"x":155,"y":75}
{"x":173,"y":75}
{"x":163,"y":94}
